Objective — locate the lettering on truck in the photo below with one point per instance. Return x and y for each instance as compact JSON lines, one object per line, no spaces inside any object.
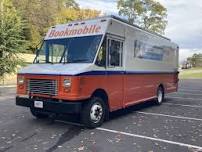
{"x":92,"y":29}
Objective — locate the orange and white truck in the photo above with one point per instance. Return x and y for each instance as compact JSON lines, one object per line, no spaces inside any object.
{"x":97,"y":66}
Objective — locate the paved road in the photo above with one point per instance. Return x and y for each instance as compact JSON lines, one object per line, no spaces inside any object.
{"x":175,"y":126}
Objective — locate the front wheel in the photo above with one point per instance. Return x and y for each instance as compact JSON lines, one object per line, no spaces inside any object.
{"x":93,"y":112}
{"x":160,"y":95}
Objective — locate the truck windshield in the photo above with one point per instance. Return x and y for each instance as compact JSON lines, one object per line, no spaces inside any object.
{"x":69,"y":50}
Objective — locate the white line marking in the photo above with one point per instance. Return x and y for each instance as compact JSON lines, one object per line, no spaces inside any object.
{"x":183,"y":98}
{"x":9,"y":86}
{"x":192,"y":106}
{"x":151,"y":138}
{"x":6,"y":97}
{"x":190,"y":90}
{"x":171,"y":116}
{"x":194,"y":94}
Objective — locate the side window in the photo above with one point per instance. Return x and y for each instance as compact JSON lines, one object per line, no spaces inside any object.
{"x":115,"y":50}
{"x":143,"y":50}
{"x":101,"y":58}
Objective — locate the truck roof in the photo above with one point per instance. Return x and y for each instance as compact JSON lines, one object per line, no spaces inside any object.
{"x":123,"y":21}
{"x":134,"y":25}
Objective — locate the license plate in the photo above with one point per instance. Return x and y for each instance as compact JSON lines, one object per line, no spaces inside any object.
{"x":38,"y":104}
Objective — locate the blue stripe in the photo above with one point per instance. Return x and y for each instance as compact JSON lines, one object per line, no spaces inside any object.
{"x":123,"y":72}
{"x":150,"y":72}
{"x":96,"y":73}
{"x":102,"y":73}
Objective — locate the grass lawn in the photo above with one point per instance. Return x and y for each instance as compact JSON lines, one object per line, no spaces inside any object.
{"x":193,"y":73}
{"x":27,"y":58}
{"x":9,"y":80}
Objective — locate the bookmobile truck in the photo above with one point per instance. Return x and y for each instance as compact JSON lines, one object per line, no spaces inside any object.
{"x":97,"y":66}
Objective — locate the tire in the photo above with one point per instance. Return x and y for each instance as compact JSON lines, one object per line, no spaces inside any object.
{"x":93,"y":112}
{"x":37,"y":114}
{"x":160,"y":95}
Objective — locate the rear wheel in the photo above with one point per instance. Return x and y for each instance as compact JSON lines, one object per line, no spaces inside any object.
{"x":160,"y":95}
{"x":93,"y":112}
{"x":38,"y":114}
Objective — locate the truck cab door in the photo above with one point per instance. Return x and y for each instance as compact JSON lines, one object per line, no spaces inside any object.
{"x":114,"y":71}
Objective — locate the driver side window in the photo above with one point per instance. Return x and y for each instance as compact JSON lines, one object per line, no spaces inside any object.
{"x":115,"y":49}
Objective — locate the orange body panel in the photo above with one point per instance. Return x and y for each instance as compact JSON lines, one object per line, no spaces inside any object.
{"x":142,"y":87}
{"x":122,"y":90}
{"x":112,"y":84}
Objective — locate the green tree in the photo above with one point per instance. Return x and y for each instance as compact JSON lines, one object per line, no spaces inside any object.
{"x":196,"y":60}
{"x":11,"y":38}
{"x":70,"y":4}
{"x":39,"y":15}
{"x":70,"y":14}
{"x":148,"y":14}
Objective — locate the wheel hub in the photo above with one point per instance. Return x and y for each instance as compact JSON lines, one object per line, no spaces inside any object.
{"x":160,"y":96}
{"x":96,"y":112}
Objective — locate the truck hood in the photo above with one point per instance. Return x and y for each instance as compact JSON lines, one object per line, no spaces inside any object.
{"x":56,"y":69}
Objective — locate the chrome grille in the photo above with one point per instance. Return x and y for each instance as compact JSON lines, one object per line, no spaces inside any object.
{"x":42,"y":86}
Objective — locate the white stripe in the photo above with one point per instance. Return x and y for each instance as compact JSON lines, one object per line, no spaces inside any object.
{"x":171,"y":116}
{"x":192,"y":106}
{"x":7,"y":86}
{"x":194,"y":94}
{"x":6,"y":97}
{"x":151,"y":138}
{"x":190,"y":90}
{"x":184,"y":98}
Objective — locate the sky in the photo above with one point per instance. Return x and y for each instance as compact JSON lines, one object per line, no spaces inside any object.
{"x":184,"y":21}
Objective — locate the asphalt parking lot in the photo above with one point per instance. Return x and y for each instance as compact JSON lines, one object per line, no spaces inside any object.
{"x":175,"y":126}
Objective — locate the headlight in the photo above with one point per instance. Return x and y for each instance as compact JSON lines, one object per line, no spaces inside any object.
{"x":67,"y":83}
{"x":21,"y":80}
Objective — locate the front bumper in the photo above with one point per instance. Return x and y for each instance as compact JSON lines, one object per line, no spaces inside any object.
{"x":52,"y":106}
